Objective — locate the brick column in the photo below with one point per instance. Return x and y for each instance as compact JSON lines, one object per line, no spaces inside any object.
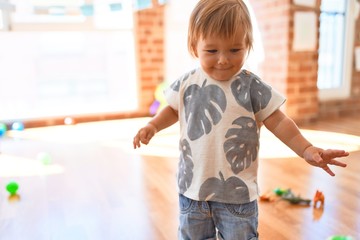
{"x":149,"y":37}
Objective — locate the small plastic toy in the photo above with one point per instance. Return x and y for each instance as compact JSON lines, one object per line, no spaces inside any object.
{"x":3,"y":129}
{"x":290,"y":197}
{"x":44,"y":157}
{"x":160,"y":101}
{"x":280,"y":191}
{"x":284,"y":194}
{"x":268,"y":197}
{"x":319,"y":197}
{"x":17,"y":126}
{"x":340,"y":237}
{"x":12,"y":188}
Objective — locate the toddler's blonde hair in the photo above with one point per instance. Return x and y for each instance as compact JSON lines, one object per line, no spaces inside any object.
{"x":223,"y":18}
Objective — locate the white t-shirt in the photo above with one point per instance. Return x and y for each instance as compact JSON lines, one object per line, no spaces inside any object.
{"x":219,"y":134}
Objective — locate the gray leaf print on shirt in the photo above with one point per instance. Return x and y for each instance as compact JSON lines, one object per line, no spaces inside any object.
{"x":232,"y":189}
{"x":250,"y":92}
{"x":203,"y":107}
{"x":242,"y":144}
{"x":186,"y":165}
{"x":176,"y":85}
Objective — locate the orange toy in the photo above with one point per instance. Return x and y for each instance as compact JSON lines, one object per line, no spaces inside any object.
{"x":319,"y":197}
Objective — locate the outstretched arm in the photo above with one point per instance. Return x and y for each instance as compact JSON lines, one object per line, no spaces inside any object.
{"x":287,"y":131}
{"x":165,"y":118}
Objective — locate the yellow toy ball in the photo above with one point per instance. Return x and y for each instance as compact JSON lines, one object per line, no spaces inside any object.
{"x":160,"y":101}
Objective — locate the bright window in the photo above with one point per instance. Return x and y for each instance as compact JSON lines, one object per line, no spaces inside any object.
{"x":86,"y":66}
{"x":1,"y":20}
{"x":335,"y":48}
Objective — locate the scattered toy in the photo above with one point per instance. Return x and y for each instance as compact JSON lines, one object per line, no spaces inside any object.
{"x":12,"y":188}
{"x":280,"y":191}
{"x":319,"y":197}
{"x":17,"y":126}
{"x":3,"y":129}
{"x":290,"y":197}
{"x":268,"y":197}
{"x":340,"y":237}
{"x":44,"y":157}
{"x":160,"y":101}
{"x":284,"y":194}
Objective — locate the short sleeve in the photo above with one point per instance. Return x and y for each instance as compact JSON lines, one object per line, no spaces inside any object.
{"x":276,"y":101}
{"x":172,"y":96}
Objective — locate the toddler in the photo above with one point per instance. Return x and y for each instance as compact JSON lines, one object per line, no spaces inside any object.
{"x":221,"y":107}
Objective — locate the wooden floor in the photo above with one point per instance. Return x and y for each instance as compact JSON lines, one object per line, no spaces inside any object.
{"x":98,"y":187}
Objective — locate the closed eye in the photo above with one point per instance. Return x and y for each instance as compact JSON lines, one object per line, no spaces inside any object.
{"x":234,"y":50}
{"x":211,"y":51}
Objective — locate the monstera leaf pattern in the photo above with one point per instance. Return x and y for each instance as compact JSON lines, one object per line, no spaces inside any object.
{"x":203,"y":107}
{"x":232,"y":189}
{"x":176,"y":85}
{"x":186,"y":166}
{"x":250,"y":92}
{"x":242,"y":144}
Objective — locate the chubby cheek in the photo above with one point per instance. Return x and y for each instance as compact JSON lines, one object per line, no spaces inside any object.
{"x":208,"y":61}
{"x":207,"y":67}
{"x":240,"y":64}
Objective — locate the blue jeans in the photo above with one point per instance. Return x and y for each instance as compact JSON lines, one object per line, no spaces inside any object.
{"x":200,"y":220}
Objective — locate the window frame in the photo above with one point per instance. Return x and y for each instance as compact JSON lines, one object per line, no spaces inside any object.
{"x":343,"y":91}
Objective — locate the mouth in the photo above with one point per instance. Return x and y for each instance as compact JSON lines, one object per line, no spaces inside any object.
{"x":223,"y":69}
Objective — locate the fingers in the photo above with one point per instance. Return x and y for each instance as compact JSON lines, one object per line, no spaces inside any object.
{"x":325,"y":158}
{"x":143,"y":136}
{"x":337,"y":163}
{"x":136,"y":142}
{"x":333,"y":162}
{"x":329,"y":171}
{"x":330,"y":154}
{"x":328,"y":158}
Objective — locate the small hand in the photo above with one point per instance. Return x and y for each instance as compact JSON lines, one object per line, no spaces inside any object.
{"x":144,"y":135}
{"x":322,"y":158}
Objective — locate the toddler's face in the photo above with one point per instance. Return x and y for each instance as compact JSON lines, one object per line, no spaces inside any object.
{"x":222,"y":58}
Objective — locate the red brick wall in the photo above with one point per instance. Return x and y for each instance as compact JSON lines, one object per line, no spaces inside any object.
{"x":302,"y":91}
{"x":149,"y":32}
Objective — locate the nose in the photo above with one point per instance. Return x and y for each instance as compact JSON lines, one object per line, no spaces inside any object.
{"x":223,"y":59}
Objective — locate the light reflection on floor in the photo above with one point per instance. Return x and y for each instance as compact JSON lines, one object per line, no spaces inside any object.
{"x":271,"y":147}
{"x":119,"y":134}
{"x":13,"y":166}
